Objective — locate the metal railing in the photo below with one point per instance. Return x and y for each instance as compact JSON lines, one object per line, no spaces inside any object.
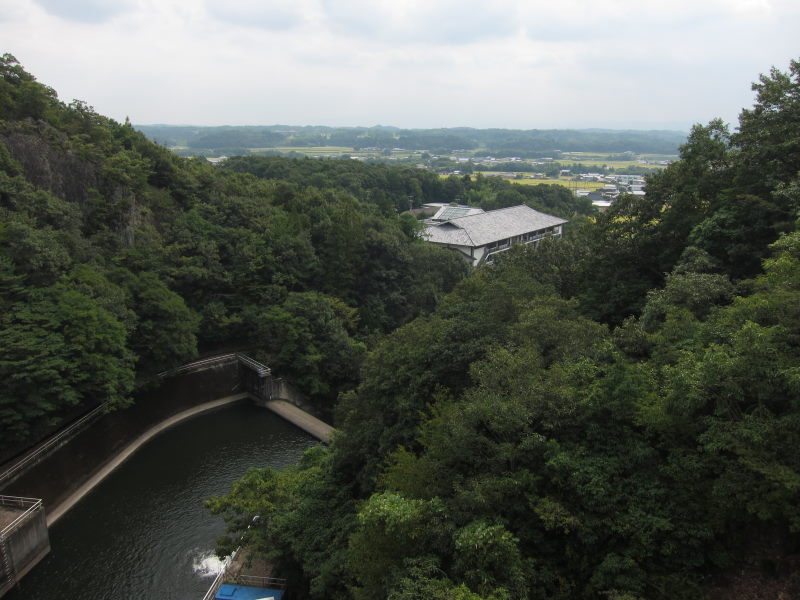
{"x":48,"y":445}
{"x":217,"y":583}
{"x":261,"y":370}
{"x":256,"y":581}
{"x":498,"y":246}
{"x":62,"y":435}
{"x":536,"y":238}
{"x":8,"y":576}
{"x":199,"y":364}
{"x":251,"y":580}
{"x":30,"y":504}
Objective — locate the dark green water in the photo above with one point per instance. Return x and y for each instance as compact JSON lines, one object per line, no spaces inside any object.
{"x":143,"y":532}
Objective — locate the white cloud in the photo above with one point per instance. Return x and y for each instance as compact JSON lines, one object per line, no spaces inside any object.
{"x":405,"y":62}
{"x":409,"y":21}
{"x":751,"y":7}
{"x":272,"y":15}
{"x":87,"y":11}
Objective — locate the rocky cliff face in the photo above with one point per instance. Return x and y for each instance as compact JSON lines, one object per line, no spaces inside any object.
{"x":49,"y":162}
{"x":56,"y":163}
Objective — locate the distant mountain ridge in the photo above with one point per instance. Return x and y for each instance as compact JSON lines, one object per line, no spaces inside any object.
{"x":529,"y":143}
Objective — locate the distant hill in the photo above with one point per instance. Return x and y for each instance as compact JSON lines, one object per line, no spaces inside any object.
{"x":498,"y":142}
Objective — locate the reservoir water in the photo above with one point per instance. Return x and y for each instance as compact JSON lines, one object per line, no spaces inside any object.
{"x":144,"y":532}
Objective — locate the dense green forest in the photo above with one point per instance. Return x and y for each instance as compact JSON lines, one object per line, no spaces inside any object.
{"x":615,"y":414}
{"x":611,"y":415}
{"x":497,"y":142}
{"x":398,"y":189}
{"x":119,"y":259}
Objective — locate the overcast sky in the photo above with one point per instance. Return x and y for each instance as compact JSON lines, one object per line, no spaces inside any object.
{"x":524,"y":64}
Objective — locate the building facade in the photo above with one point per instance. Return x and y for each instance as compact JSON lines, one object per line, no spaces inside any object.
{"x":478,"y":237}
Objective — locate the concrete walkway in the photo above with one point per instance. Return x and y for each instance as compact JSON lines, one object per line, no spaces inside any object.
{"x":120,"y":458}
{"x":297,"y":416}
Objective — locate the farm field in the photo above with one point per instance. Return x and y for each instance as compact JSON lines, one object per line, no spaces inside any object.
{"x":599,"y":160}
{"x":334,"y":151}
{"x":617,"y":165}
{"x":579,"y":156}
{"x":565,"y":181}
{"x":319,"y":150}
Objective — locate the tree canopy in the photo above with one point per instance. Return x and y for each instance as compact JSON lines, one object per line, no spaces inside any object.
{"x":119,"y":259}
{"x":611,"y":414}
{"x":614,"y":414}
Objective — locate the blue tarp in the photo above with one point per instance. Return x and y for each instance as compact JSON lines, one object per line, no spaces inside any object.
{"x":245,"y":592}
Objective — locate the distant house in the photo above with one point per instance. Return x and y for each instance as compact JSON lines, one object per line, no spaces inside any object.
{"x":609,"y":191}
{"x":602,"y":205}
{"x":478,"y":237}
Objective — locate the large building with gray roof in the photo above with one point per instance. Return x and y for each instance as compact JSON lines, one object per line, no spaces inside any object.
{"x":478,"y":237}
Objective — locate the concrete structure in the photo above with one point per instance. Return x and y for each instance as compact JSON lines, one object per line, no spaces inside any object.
{"x":478,"y":237}
{"x":246,"y":576}
{"x":602,"y":205}
{"x":280,"y":397}
{"x":277,"y":395}
{"x":24,"y":540}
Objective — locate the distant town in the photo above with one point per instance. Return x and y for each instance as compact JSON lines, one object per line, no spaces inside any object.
{"x":597,"y":164}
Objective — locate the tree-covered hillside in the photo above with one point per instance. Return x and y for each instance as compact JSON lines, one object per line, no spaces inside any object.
{"x":615,"y":414}
{"x":397,"y":189}
{"x":497,"y":142}
{"x":611,"y":415}
{"x":119,"y":259}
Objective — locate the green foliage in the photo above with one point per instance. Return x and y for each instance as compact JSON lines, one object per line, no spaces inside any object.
{"x":391,"y":529}
{"x":494,"y":440}
{"x":165,"y":330}
{"x":185,"y":257}
{"x":304,"y":517}
{"x":21,"y":96}
{"x":507,"y":446}
{"x":487,"y":558}
{"x":730,"y":195}
{"x":60,"y":349}
{"x":496,"y":142}
{"x":396,"y":189}
{"x":767,"y":133}
{"x":309,"y":339}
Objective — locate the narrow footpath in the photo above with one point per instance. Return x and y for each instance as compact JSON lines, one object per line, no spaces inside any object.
{"x":300,"y":418}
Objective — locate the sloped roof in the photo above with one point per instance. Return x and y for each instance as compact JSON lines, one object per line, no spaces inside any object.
{"x":446,"y":233}
{"x":481,"y":229}
{"x":447,"y":213}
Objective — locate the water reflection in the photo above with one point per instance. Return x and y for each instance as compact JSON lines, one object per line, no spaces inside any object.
{"x":144,"y":532}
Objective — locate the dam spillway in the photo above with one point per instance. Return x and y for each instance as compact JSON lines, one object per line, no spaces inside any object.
{"x":143,"y":531}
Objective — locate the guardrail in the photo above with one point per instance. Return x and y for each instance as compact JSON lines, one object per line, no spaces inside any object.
{"x":19,"y":467}
{"x":32,"y":504}
{"x":261,"y":370}
{"x":199,"y":364}
{"x":47,"y":446}
{"x":256,"y":581}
